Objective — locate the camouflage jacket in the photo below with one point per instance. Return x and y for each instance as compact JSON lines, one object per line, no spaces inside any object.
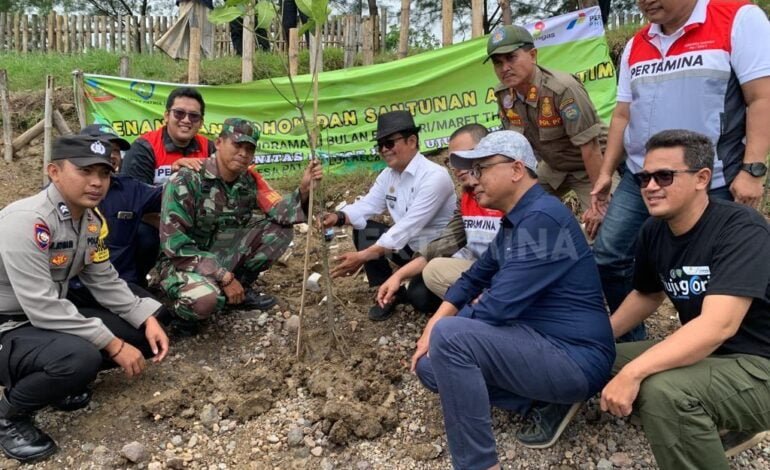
{"x":202,"y":214}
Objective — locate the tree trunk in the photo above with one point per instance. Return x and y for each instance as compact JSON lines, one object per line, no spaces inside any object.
{"x":373,"y":9}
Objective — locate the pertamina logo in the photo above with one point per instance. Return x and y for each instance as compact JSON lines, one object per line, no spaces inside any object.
{"x":581,"y":18}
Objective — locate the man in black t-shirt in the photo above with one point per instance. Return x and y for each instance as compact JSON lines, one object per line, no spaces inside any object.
{"x":703,"y":393}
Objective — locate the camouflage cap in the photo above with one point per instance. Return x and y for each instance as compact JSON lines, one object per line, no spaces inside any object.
{"x":82,"y":150}
{"x":507,"y":38}
{"x":240,"y":130}
{"x":106,"y":132}
{"x":509,"y":144}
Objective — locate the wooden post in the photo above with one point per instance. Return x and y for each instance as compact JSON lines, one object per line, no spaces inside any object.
{"x":65,"y":34}
{"x":247,"y":60}
{"x":24,"y":34}
{"x":103,"y":32}
{"x":60,"y":124}
{"x":25,"y":138}
{"x":150,"y":41}
{"x":73,"y":33}
{"x":194,"y":62}
{"x":51,"y":45}
{"x":6,"y":114}
{"x":477,"y":18}
{"x":505,"y":6}
{"x":16,"y":32}
{"x":446,"y":22}
{"x":316,"y":57}
{"x":124,"y":70}
{"x":80,"y":102}
{"x":403,"y":39}
{"x":368,"y":39}
{"x":349,"y":39}
{"x":2,"y":31}
{"x":293,"y":51}
{"x":143,"y":34}
{"x":80,"y":35}
{"x":383,"y":27}
{"x":48,"y":125}
{"x":59,"y":33}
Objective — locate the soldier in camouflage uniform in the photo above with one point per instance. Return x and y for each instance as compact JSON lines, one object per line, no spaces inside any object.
{"x":223,"y":225}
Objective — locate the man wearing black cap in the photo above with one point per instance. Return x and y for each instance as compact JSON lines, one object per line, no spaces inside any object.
{"x":49,"y":349}
{"x":420,"y":198}
{"x":554,"y":112}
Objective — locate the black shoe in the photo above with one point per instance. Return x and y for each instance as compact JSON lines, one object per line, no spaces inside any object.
{"x":21,"y":440}
{"x":253,"y":299}
{"x":377,"y":313}
{"x":735,"y":442}
{"x":73,"y":402}
{"x":546,"y":423}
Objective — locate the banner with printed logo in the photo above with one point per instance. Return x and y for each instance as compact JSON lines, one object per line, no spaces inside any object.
{"x":443,"y":89}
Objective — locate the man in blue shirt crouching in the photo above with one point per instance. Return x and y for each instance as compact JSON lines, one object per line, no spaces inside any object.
{"x":525,"y":328}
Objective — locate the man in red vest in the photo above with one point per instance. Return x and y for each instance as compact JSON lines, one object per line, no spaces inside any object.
{"x":155,"y":155}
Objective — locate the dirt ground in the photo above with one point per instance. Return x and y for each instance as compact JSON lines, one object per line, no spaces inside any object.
{"x":236,"y":396}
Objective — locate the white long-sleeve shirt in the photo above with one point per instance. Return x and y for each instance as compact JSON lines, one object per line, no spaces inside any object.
{"x":421,"y":200}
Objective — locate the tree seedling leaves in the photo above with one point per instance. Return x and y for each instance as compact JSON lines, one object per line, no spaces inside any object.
{"x":225,"y":14}
{"x":265,"y":14}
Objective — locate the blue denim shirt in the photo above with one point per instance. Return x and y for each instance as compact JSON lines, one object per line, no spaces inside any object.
{"x":539,"y":271}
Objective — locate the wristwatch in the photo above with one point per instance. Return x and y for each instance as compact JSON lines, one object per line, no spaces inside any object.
{"x":755,"y":169}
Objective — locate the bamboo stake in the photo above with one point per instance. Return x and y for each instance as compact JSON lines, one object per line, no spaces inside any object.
{"x":80,"y":102}
{"x":316,"y":57}
{"x":477,"y":13}
{"x":446,"y":22}
{"x":403,"y":39}
{"x":47,"y":126}
{"x":247,"y":61}
{"x":5,"y":108}
{"x":368,"y":38}
{"x":194,"y":63}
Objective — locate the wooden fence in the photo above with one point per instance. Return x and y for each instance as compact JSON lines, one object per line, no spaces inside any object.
{"x":79,"y":33}
{"x":618,"y":20}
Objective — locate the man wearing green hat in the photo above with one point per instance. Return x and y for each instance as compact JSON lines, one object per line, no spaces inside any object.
{"x":554,"y":112}
{"x":222,"y":225}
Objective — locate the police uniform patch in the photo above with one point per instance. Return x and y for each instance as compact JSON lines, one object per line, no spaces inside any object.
{"x":92,"y":228}
{"x":514,"y":118}
{"x":546,"y":107}
{"x":42,"y":236}
{"x":59,"y":259}
{"x":63,"y":209}
{"x":532,"y":94}
{"x":571,"y":112}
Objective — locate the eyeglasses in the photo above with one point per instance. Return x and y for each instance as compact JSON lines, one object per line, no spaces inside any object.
{"x":387,"y":143}
{"x":180,"y":114}
{"x":475,"y":170}
{"x":662,"y":178}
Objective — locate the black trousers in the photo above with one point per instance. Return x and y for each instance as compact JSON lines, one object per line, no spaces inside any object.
{"x":39,"y":367}
{"x":378,"y":271}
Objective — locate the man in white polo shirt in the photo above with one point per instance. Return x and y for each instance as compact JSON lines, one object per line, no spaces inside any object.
{"x":417,"y":193}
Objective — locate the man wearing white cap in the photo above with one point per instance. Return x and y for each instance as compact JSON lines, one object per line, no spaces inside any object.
{"x":525,"y":327}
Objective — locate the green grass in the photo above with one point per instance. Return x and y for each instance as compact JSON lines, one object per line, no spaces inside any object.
{"x":27,"y":72}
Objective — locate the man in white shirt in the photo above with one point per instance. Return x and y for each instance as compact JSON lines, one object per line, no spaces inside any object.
{"x":419,"y":196}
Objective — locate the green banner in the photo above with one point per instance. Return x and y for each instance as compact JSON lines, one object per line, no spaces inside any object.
{"x":444,"y":89}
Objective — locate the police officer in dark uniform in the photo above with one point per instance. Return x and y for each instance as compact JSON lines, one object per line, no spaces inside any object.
{"x":50,"y":351}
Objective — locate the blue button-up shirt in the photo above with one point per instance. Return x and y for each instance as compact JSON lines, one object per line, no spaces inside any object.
{"x":539,"y":271}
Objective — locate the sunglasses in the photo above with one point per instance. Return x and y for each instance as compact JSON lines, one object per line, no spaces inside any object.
{"x":476,"y":170}
{"x":180,"y":114}
{"x":387,"y":143}
{"x":662,"y":178}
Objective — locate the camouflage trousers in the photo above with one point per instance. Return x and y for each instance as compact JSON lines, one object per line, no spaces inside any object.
{"x":245,"y":252}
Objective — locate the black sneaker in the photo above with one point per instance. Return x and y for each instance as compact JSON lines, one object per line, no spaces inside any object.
{"x":377,"y":313}
{"x":735,"y":442}
{"x":546,"y":423}
{"x":73,"y":402}
{"x":21,"y":440}
{"x":254,"y":299}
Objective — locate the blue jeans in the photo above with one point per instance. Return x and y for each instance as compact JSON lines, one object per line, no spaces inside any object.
{"x":473,"y":365}
{"x":615,"y":245}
